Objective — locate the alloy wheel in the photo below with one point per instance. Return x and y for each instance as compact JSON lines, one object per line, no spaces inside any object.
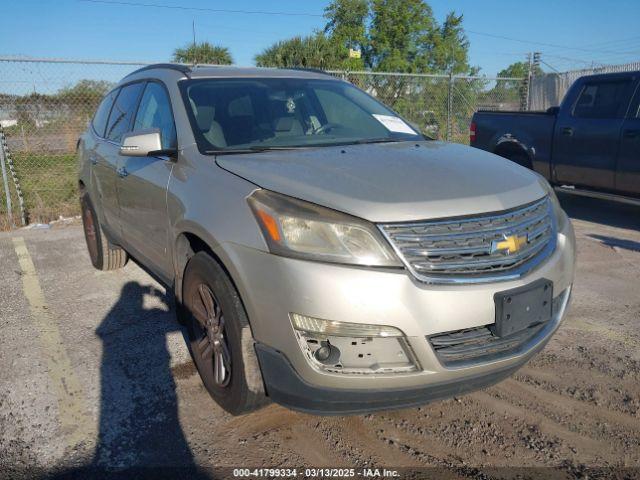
{"x":211,"y":344}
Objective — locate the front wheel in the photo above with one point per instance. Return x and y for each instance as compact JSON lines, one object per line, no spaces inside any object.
{"x":220,"y":337}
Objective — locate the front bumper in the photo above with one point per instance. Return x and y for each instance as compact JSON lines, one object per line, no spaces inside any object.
{"x":272,"y":287}
{"x":286,"y":387}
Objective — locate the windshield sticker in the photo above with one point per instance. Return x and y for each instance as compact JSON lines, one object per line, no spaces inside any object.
{"x":394,"y":124}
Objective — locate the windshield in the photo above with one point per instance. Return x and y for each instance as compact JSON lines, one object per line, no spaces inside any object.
{"x":239,"y":114}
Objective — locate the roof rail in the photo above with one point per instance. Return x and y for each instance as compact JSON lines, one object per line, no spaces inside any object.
{"x":171,"y":66}
{"x":308,"y":69}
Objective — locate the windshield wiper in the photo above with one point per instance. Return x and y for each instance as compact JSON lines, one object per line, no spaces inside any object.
{"x":379,"y":140}
{"x":255,"y":149}
{"x":260,"y":148}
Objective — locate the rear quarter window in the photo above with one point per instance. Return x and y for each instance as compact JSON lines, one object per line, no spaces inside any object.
{"x":123,"y":111}
{"x":99,"y":122}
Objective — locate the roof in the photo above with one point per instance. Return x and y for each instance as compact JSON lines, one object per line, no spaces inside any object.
{"x":225,"y":71}
{"x":612,"y":75}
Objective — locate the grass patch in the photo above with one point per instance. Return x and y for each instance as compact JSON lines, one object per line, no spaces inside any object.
{"x":49,"y":184}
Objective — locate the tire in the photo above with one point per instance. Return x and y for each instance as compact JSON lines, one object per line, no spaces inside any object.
{"x":104,"y":255}
{"x":220,"y":337}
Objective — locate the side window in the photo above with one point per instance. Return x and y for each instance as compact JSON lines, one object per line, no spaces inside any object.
{"x":155,"y":112}
{"x":99,"y":121}
{"x":122,"y":111}
{"x":602,"y":100}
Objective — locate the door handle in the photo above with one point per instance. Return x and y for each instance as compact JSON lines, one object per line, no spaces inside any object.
{"x":122,"y":172}
{"x":568,"y":131}
{"x":631,"y":133}
{"x":93,"y":159}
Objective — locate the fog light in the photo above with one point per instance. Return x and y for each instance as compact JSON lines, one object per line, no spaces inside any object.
{"x":353,"y":348}
{"x":342,"y":329}
{"x":327,"y":354}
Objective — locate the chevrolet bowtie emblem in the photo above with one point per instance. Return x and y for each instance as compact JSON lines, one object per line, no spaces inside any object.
{"x":510,"y":244}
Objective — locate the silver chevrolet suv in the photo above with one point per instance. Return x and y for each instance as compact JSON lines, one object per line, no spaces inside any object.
{"x":323,"y":253}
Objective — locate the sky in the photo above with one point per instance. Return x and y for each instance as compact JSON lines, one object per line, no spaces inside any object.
{"x":570,"y":33}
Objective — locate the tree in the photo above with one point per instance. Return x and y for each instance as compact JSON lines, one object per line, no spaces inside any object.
{"x":85,"y":92}
{"x":520,"y":70}
{"x":399,"y":35}
{"x":346,"y":27}
{"x":449,"y":48}
{"x":203,"y":52}
{"x":315,"y":51}
{"x":511,"y":90}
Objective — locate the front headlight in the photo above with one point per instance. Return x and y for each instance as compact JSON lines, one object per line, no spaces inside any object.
{"x":295,"y":228}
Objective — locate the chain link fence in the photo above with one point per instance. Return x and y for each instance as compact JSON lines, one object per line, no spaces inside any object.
{"x":46,"y":104}
{"x":441,"y":106}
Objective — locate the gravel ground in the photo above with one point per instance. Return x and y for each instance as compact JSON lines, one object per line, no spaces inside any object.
{"x":140,"y":403}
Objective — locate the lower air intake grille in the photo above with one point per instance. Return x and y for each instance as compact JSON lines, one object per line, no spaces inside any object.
{"x":479,"y":344}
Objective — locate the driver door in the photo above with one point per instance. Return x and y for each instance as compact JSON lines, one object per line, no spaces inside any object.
{"x":142,"y":186}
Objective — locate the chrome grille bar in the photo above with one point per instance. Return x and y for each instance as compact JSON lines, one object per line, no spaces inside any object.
{"x":465,"y":250}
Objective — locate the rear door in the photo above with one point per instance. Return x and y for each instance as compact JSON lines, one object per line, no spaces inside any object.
{"x":107,"y":156}
{"x":588,"y":131}
{"x":142,"y":187}
{"x":103,"y":177}
{"x":628,"y":172}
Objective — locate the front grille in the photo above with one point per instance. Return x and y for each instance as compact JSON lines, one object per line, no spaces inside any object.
{"x":479,"y":344}
{"x":464,"y":249}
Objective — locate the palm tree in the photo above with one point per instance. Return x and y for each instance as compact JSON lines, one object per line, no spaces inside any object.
{"x":314,"y":51}
{"x":203,"y":52}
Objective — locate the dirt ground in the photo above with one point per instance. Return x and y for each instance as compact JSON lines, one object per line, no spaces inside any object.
{"x":130,"y":396}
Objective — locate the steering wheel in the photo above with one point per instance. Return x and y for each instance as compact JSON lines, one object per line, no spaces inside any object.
{"x":324,"y":128}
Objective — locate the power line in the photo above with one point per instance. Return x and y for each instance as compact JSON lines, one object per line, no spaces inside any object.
{"x":620,"y":40}
{"x":550,"y":66}
{"x":553,"y":45}
{"x":202,"y":9}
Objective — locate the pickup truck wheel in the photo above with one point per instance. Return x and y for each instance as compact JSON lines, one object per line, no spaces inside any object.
{"x":104,"y":255}
{"x":220,"y":337}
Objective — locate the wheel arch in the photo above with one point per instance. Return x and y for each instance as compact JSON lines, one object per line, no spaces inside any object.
{"x":511,"y":149}
{"x":187,"y":244}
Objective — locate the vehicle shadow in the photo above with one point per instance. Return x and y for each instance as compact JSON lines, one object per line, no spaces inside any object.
{"x":616,"y":242}
{"x":139,"y":433}
{"x":605,"y":212}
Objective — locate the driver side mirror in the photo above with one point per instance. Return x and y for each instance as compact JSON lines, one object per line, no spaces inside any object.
{"x":144,"y":143}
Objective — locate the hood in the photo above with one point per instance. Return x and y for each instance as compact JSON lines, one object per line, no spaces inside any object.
{"x":392,"y":182}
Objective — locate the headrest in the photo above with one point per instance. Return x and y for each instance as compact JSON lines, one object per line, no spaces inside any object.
{"x":204,"y":116}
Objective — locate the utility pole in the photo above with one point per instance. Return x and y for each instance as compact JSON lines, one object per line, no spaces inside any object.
{"x":450,"y":88}
{"x":524,"y":91}
{"x":193,"y":30}
{"x":536,"y":62}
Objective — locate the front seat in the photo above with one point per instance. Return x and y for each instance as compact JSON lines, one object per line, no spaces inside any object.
{"x":285,"y":126}
{"x":212,"y":130}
